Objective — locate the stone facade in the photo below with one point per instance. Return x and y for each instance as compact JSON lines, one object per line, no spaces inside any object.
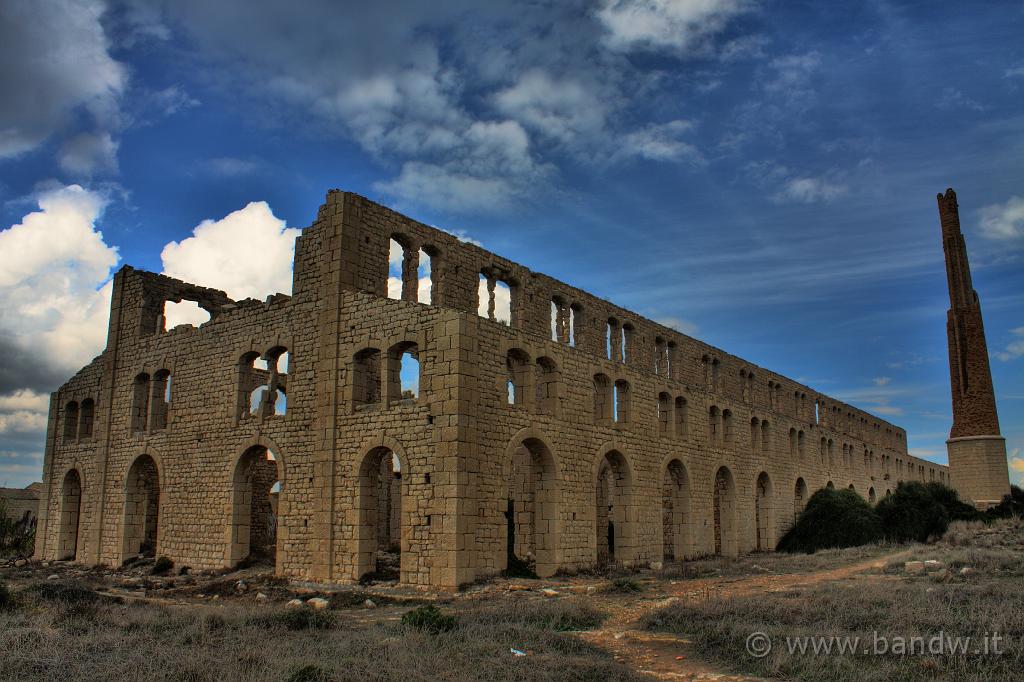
{"x":573,"y":432}
{"x":977,"y":453}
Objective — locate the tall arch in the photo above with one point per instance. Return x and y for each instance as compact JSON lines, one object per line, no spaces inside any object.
{"x":382,"y":512}
{"x":613,"y":527}
{"x":141,"y":509}
{"x":725,"y":513}
{"x":677,"y":538}
{"x":531,"y":513}
{"x":70,"y":515}
{"x":799,"y":497}
{"x":257,"y":484}
{"x":764,"y":513}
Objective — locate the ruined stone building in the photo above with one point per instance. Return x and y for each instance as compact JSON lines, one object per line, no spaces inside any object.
{"x":542,"y":423}
{"x":977,"y":452}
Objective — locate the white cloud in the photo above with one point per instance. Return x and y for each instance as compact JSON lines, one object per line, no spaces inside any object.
{"x":679,"y":25}
{"x":679,"y":324}
{"x":1015,"y":348}
{"x":954,"y":99}
{"x":22,"y":421}
{"x":661,"y":142}
{"x":563,"y":109}
{"x":55,"y":296}
{"x":809,"y":190}
{"x":54,"y":60}
{"x":881,"y":381}
{"x":1015,"y":71}
{"x":87,"y":153}
{"x":1003,"y":221}
{"x":25,"y":399}
{"x":247,"y":253}
{"x":1017,"y":466}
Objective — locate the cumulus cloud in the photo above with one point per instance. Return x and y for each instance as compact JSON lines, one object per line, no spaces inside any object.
{"x":1003,"y":221}
{"x":662,"y":142}
{"x":55,"y":296}
{"x":563,"y":109}
{"x":247,"y":254}
{"x":678,"y":25}
{"x":54,"y":61}
{"x":88,"y":153}
{"x":1015,"y":348}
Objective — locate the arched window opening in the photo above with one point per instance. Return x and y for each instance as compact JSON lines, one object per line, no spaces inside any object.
{"x":70,"y":513}
{"x":664,"y":412}
{"x":822,"y":451}
{"x":70,"y":421}
{"x":725,"y":513}
{"x":160,"y":400}
{"x":494,"y":299}
{"x":675,"y":513}
{"x":830,"y":485}
{"x":556,"y":321}
{"x":714,"y":425}
{"x":613,"y":339}
{"x":626,"y":346}
{"x":404,"y":372}
{"x":670,"y":360}
{"x":141,"y":509}
{"x":755,"y":435}
{"x":871,"y":495}
{"x":184,"y":314}
{"x":517,"y":364}
{"x":799,"y":496}
{"x":86,"y":418}
{"x":681,"y":417}
{"x":766,"y":437}
{"x":396,"y":269}
{"x":792,"y":443}
{"x":613,"y":532}
{"x":382,"y":520}
{"x":366,"y":371}
{"x":424,"y":278}
{"x":622,"y":401}
{"x":831,"y":453}
{"x":256,"y":507}
{"x":602,"y":399}
{"x":140,"y":402}
{"x":727,"y":433}
{"x":801,"y":444}
{"x":547,"y":386}
{"x":764,"y":512}
{"x":575,"y":322}
{"x":659,"y":355}
{"x":532,"y":508}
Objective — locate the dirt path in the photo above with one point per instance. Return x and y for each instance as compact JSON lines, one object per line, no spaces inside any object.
{"x":669,"y":657}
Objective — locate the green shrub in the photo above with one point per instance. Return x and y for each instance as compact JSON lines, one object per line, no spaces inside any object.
{"x":6,"y":598}
{"x":162,"y":566}
{"x":626,"y":585}
{"x":63,"y":592}
{"x":1012,"y":505}
{"x":916,"y":511}
{"x":309,"y":673}
{"x":297,"y":619}
{"x":833,"y":519}
{"x":430,"y":619}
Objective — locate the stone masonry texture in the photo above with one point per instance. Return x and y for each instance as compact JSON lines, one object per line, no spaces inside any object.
{"x":575,"y":433}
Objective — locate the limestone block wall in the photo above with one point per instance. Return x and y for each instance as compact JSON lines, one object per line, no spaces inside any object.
{"x":617,"y":436}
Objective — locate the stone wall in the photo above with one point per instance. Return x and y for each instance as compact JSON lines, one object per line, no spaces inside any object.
{"x":604,"y":400}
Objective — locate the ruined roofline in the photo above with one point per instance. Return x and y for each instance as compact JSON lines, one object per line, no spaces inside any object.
{"x":519,"y":275}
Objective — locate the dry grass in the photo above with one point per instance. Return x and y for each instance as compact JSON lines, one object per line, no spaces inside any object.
{"x":56,"y":633}
{"x":769,"y":563}
{"x":988,"y":600}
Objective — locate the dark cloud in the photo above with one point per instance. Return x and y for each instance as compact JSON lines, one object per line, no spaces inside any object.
{"x":21,"y":368}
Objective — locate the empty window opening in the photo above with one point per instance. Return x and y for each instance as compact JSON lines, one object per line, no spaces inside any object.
{"x":681,"y":417}
{"x":256,"y":492}
{"x":547,"y":386}
{"x":86,"y":418}
{"x":424,"y":278}
{"x":366,"y":378}
{"x":613,"y":339}
{"x":727,"y":426}
{"x":555,"y":321}
{"x":603,"y":399}
{"x":659,"y":355}
{"x":404,"y":372}
{"x":755,"y":435}
{"x":613,"y":533}
{"x":160,"y":400}
{"x":621,"y":401}
{"x":766,"y":437}
{"x":184,"y":313}
{"x":799,"y":497}
{"x":494,"y":300}
{"x":140,"y":402}
{"x":664,"y":412}
{"x":517,"y":364}
{"x":531,"y":504}
{"x":801,"y":441}
{"x":382,"y":523}
{"x":670,"y":360}
{"x":70,"y":421}
{"x":575,"y":317}
{"x":141,"y":509}
{"x":396,"y":257}
{"x":627,"y":342}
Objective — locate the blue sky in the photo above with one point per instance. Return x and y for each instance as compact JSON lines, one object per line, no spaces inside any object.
{"x":759,"y":174}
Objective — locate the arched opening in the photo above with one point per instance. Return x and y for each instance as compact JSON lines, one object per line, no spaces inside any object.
{"x":255,"y":504}
{"x":141,"y":509}
{"x":871,"y":495}
{"x":70,"y":512}
{"x":714,"y":425}
{"x":517,"y":365}
{"x":681,"y":416}
{"x":547,"y":386}
{"x":424,"y":278}
{"x":140,"y":402}
{"x":764,"y":512}
{"x":602,"y":399}
{"x":396,"y":262}
{"x":403,"y":373}
{"x":160,"y":400}
{"x":621,"y":400}
{"x":830,"y":485}
{"x":613,"y":530}
{"x":70,"y":421}
{"x":531,"y":512}
{"x":381,"y":530}
{"x":86,"y":418}
{"x":725,"y":513}
{"x":366,"y":379}
{"x":799,"y":497}
{"x":675,"y":512}
{"x":664,"y":412}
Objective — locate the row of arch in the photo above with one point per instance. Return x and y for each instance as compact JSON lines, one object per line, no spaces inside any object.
{"x":79,"y":420}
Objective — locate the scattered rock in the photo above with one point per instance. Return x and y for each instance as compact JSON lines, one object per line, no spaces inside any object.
{"x":966,"y":570}
{"x":933,"y":565}
{"x":548,"y":592}
{"x":620,"y":635}
{"x":53,"y":576}
{"x":369,"y":604}
{"x":913,"y":567}
{"x":591,"y":590}
{"x":939,"y":575}
{"x":518,"y":588}
{"x":20,"y":562}
{"x":294,"y":604}
{"x":261,"y":597}
{"x":318,"y":603}
{"x":240,"y":586}
{"x":657,"y":565}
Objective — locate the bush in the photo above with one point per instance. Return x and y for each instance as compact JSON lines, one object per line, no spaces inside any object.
{"x":17,"y":538}
{"x":162,"y":566}
{"x":6,"y":598}
{"x":63,"y":592}
{"x":916,"y":511}
{"x":297,"y":619}
{"x":1012,"y":505}
{"x":310,"y":673}
{"x":626,"y":586}
{"x":519,"y":568}
{"x":430,"y":619}
{"x":833,"y":519}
